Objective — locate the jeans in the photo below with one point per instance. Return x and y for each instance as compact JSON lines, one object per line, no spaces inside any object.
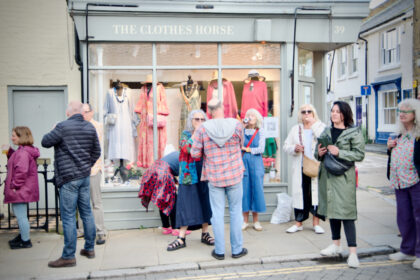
{"x":20,"y":210}
{"x":349,"y":229}
{"x":76,"y":194}
{"x":217,"y":202}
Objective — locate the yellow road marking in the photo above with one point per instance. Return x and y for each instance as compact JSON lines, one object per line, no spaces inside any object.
{"x":288,"y":270}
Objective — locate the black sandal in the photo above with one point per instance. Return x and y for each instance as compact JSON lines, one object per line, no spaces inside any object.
{"x":207,"y":239}
{"x":176,"y":244}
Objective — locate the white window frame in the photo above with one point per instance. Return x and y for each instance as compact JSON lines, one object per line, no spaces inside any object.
{"x":342,"y":62}
{"x":382,"y":126}
{"x":390,"y":47}
{"x":354,"y":59}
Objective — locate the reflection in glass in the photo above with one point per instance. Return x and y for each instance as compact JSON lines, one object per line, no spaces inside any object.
{"x":251,"y":54}
{"x":111,"y":54}
{"x":186,"y":54}
{"x":305,"y":61}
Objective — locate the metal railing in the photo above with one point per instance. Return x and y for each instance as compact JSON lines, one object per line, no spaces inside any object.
{"x":35,"y":213}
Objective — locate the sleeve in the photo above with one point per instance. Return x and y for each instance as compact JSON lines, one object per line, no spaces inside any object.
{"x":185,"y":145}
{"x":234,"y":105}
{"x":162,"y":106}
{"x":10,"y":153}
{"x":53,"y":137}
{"x":357,"y":151}
{"x":265,"y":101}
{"x":289,"y":143}
{"x":20,"y":170}
{"x":261,"y":144}
{"x":197,"y":145}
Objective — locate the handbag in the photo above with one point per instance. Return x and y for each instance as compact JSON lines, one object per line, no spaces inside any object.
{"x":111,"y":119}
{"x":161,"y":120}
{"x":336,"y":166}
{"x":310,"y":167}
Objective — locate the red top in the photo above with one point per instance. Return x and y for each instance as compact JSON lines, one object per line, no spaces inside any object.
{"x":229,"y":98}
{"x":255,"y":98}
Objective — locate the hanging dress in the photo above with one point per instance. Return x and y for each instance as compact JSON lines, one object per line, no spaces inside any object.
{"x":229,"y":99}
{"x":254,"y":95}
{"x":144,"y":108}
{"x":253,"y":180}
{"x":194,"y":100}
{"x":120,"y":134}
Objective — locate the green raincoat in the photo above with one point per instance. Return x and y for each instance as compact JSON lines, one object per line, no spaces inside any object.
{"x":337,"y":194}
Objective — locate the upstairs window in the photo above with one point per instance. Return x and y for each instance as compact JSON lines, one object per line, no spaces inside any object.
{"x":342,"y":62}
{"x":354,"y":58}
{"x":390,"y":47}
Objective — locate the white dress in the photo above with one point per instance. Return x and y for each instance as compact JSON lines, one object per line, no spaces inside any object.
{"x":120,"y":134}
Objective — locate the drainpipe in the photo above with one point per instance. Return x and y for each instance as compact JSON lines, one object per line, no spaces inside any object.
{"x":292,"y":73}
{"x":78,"y":59}
{"x":87,"y":37}
{"x":366,"y":73}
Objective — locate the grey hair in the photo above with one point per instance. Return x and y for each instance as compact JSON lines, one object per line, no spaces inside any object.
{"x":214,"y":104}
{"x":257,"y":114}
{"x":411,"y":104}
{"x":189,"y":127}
{"x":74,"y":107}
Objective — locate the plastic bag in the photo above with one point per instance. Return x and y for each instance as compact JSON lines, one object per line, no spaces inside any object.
{"x":284,"y":209}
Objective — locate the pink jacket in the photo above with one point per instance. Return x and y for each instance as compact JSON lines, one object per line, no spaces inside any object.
{"x":229,"y":99}
{"x":255,"y":98}
{"x":22,"y":176}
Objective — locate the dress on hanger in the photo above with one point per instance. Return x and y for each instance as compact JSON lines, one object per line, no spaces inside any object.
{"x":254,"y":95}
{"x":194,"y":100}
{"x":120,"y":134}
{"x":229,"y":98}
{"x":144,"y":107}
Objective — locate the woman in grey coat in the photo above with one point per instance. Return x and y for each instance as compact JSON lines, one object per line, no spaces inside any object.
{"x":337,"y":193}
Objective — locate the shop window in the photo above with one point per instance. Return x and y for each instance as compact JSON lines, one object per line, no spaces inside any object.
{"x":305,"y":63}
{"x":390,"y":47}
{"x":186,"y":54}
{"x":251,"y":54}
{"x":117,"y":54}
{"x":354,"y":58}
{"x":388,"y":110}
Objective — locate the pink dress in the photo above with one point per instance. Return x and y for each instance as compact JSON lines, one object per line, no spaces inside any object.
{"x":254,"y":95}
{"x":229,"y":98}
{"x":145,"y":132}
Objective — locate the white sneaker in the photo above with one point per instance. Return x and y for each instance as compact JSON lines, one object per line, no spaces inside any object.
{"x":294,"y":229}
{"x":245,"y":226}
{"x":318,"y":229}
{"x":331,"y":250}
{"x":416,"y":264}
{"x":257,"y":226}
{"x":401,"y":257}
{"x":353,"y":261}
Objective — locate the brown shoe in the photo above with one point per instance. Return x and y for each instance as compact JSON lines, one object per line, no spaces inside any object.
{"x":88,"y":254}
{"x":62,"y":263}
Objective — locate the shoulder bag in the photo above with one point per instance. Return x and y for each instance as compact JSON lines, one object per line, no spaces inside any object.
{"x":310,"y":166}
{"x":336,"y":166}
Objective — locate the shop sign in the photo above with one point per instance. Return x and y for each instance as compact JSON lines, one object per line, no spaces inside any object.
{"x":173,"y":30}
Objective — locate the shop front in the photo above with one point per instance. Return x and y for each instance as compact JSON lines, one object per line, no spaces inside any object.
{"x":148,"y":63}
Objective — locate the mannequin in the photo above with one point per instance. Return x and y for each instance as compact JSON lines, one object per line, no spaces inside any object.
{"x":120,"y":127}
{"x":229,"y":98}
{"x":144,"y":110}
{"x":254,"y":94}
{"x":192,"y":101}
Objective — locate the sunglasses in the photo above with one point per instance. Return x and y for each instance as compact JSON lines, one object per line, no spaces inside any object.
{"x":405,"y":112}
{"x":199,"y":119}
{"x":304,"y":112}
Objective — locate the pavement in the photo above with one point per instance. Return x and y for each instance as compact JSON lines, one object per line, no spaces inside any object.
{"x":130,"y":253}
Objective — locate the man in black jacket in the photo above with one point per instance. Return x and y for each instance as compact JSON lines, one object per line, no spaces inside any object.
{"x":76,"y":149}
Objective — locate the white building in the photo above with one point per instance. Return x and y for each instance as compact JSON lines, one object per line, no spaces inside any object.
{"x":382,"y":59}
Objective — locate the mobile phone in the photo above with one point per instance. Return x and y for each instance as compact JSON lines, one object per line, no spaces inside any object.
{"x":324,"y":142}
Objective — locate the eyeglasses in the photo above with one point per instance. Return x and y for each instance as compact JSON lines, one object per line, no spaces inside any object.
{"x":304,"y":112}
{"x":199,"y":119}
{"x":405,"y":111}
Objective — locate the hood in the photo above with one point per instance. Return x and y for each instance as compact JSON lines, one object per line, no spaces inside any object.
{"x":33,"y":151}
{"x":220,"y":130}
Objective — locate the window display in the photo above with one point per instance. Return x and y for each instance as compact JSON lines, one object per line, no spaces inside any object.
{"x":181,"y":88}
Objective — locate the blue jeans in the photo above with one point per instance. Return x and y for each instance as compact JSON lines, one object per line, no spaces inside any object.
{"x":76,"y":194}
{"x":217,"y":202}
{"x":20,"y":210}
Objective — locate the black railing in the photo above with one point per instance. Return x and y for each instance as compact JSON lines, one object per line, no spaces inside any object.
{"x":38,"y":216}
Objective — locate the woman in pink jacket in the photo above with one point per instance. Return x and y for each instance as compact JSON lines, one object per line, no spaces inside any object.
{"x":22,"y":182}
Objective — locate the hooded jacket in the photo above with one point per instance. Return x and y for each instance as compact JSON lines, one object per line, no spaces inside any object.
{"x":22,"y":176}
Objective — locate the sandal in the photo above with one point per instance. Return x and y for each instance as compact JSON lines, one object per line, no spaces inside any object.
{"x":176,"y":244}
{"x":207,"y":239}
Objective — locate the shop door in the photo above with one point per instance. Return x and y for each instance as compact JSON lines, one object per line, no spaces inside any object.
{"x":39,"y":110}
{"x":306,"y":93}
{"x":359,"y":110}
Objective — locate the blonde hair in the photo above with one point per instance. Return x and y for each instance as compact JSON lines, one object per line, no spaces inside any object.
{"x":257,"y":114}
{"x":312,"y":108}
{"x":411,"y":104}
{"x":25,"y":135}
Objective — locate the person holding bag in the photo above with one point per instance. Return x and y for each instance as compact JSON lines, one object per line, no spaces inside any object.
{"x":301,"y":145}
{"x":253,"y":180}
{"x":343,"y":142}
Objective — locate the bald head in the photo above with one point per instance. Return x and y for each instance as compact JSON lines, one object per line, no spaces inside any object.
{"x":215,"y":108}
{"x":74,"y":107}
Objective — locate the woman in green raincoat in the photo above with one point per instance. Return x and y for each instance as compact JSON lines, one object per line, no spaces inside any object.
{"x":337,"y":193}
